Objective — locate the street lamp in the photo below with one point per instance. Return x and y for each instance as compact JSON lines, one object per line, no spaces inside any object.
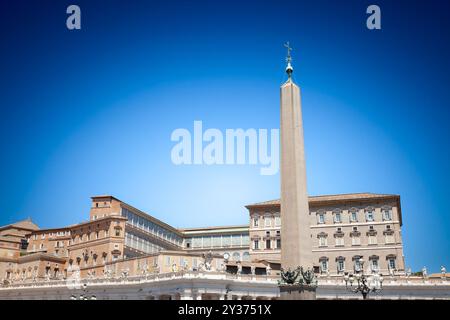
{"x":363,"y":283}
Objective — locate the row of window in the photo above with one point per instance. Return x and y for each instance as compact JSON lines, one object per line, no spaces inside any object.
{"x":217,"y":241}
{"x":374,"y":264}
{"x":151,"y":227}
{"x":141,"y":244}
{"x":93,"y":236}
{"x":356,"y":240}
{"x":52,"y":234}
{"x":356,"y":237}
{"x":268,"y":244}
{"x":353,"y":216}
{"x":268,"y":221}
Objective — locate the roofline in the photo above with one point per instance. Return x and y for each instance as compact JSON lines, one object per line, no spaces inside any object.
{"x":81,"y":224}
{"x":156,"y":220}
{"x":328,"y":201}
{"x":13,"y":225}
{"x":316,"y":199}
{"x":214,"y":228}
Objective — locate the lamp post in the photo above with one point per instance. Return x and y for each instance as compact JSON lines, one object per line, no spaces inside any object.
{"x":363,"y":283}
{"x":84,"y":295}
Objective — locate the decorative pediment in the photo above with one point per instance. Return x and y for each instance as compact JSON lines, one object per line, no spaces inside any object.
{"x":323,"y":259}
{"x":356,"y":257}
{"x":340,"y":258}
{"x":388,"y":232}
{"x":374,"y":257}
{"x":371,"y":232}
{"x":322,"y":235}
{"x":355,"y":233}
{"x":339,"y":234}
{"x":391,"y":256}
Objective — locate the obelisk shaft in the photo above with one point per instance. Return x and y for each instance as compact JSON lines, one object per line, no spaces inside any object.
{"x":295,"y":229}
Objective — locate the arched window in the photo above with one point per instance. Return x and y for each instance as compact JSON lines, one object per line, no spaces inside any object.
{"x":337,"y":215}
{"x":374,"y":263}
{"x":387,"y":213}
{"x":391,"y":260}
{"x":340,"y":263}
{"x":353,"y":215}
{"x":323,"y":261}
{"x":322,"y":239}
{"x":370,"y":215}
{"x":246,"y":256}
{"x":357,"y":263}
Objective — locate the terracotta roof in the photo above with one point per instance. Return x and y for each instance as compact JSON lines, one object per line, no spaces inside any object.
{"x":24,"y":224}
{"x":334,"y":197}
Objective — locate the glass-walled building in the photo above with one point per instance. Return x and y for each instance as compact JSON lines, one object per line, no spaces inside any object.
{"x":145,"y":234}
{"x":232,"y":240}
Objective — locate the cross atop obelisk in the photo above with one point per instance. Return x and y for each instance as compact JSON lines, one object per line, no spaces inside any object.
{"x":289,"y":68}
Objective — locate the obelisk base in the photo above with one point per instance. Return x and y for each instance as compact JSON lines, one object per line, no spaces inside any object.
{"x":297,"y":292}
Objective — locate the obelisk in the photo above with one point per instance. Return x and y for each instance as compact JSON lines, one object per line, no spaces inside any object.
{"x":295,"y":225}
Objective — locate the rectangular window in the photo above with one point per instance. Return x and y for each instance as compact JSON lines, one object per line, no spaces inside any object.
{"x":226,"y":240}
{"x":390,"y":238}
{"x":278,"y":243}
{"x":216,"y":242}
{"x":277,"y":221}
{"x":321,"y":218}
{"x":267,"y":244}
{"x":256,"y":245}
{"x":369,"y":216}
{"x":196,"y":242}
{"x":245,"y":240}
{"x":322,"y":241}
{"x":372,"y":239}
{"x":206,"y":242}
{"x":267,"y":221}
{"x":387,"y":215}
{"x":391,"y":263}
{"x":340,"y":265}
{"x":354,"y":217}
{"x":236,"y":240}
{"x":337,"y":218}
{"x":324,"y":265}
{"x":374,"y":264}
{"x":357,"y":265}
{"x":255,"y":222}
{"x":339,"y":241}
{"x":356,"y":241}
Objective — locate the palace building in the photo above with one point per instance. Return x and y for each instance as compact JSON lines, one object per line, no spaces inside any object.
{"x":125,"y":253}
{"x":119,"y":237}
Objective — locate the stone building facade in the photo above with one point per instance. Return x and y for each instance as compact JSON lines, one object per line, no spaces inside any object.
{"x":122,"y":240}
{"x":344,"y":228}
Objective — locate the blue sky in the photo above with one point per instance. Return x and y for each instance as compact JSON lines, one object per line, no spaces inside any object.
{"x":91,"y":111}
